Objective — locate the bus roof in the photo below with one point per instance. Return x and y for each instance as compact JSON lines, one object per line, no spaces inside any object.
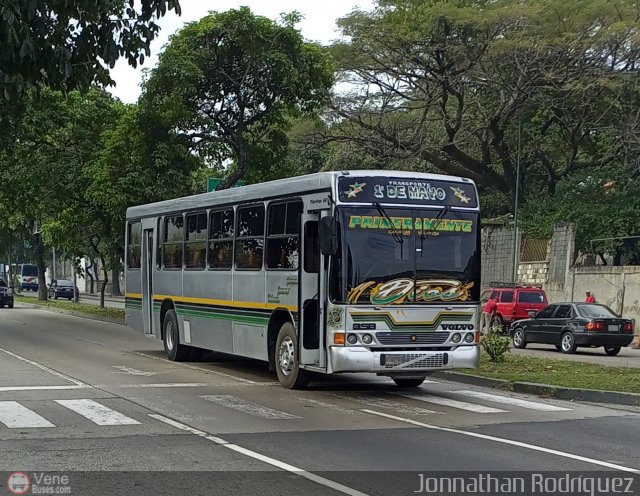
{"x":321,"y":181}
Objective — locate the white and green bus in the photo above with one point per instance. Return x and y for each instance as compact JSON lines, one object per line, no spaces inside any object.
{"x":358,"y":271}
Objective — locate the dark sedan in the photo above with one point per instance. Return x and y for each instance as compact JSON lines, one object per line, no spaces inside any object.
{"x":61,"y":289}
{"x":572,"y":325}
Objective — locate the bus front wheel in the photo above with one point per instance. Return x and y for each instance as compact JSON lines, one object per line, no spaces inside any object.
{"x":288,"y":368}
{"x":405,"y":382}
{"x":176,"y":352}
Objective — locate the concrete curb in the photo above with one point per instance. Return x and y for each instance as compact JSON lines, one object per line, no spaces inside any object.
{"x":546,"y":390}
{"x":72,"y":313}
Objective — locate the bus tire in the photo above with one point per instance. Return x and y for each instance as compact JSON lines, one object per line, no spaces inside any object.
{"x":405,"y":382}
{"x":176,"y":352}
{"x":286,"y":354}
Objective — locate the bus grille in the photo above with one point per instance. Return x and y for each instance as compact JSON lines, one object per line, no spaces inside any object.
{"x":412,"y":337}
{"x":438,"y":360}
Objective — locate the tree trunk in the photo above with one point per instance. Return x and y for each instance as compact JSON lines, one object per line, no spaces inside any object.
{"x":42,"y":281}
{"x":91,"y":278}
{"x":104,"y":283}
{"x":115,"y":284}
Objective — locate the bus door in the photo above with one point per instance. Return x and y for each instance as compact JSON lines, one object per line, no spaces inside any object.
{"x":147,"y":280}
{"x":311,"y":292}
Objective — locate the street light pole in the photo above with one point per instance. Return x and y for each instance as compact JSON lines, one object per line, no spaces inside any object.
{"x":515,"y":208}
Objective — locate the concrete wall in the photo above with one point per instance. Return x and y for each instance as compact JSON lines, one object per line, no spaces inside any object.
{"x":497,"y":255}
{"x":534,"y":273}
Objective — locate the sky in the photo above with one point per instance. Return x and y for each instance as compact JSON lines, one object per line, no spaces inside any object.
{"x":318,"y":25}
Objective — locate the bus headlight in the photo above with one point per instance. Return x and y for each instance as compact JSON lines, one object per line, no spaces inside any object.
{"x":456,"y":338}
{"x":367,"y":338}
{"x":469,"y":337}
{"x":352,"y":339}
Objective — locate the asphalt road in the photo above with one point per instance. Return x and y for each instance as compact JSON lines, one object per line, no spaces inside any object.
{"x":100,"y":404}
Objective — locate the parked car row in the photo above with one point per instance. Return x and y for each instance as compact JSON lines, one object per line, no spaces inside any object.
{"x":528,"y":318}
{"x":62,"y":289}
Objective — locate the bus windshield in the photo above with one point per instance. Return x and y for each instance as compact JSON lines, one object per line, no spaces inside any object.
{"x":407,"y":256}
{"x":29,"y":271}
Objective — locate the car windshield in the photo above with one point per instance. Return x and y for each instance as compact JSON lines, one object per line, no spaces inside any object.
{"x":400,"y":255}
{"x":596,"y":312}
{"x":64,"y":283}
{"x":531,"y":297}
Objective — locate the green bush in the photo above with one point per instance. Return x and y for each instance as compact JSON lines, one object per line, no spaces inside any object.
{"x":495,"y":345}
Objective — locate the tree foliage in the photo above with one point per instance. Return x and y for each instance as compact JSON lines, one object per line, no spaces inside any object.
{"x":231,"y":82}
{"x":449,"y":82}
{"x":72,"y":44}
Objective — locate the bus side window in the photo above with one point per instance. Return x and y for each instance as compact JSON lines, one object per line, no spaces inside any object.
{"x":311,"y":247}
{"x":221,"y":240}
{"x":195,"y":244}
{"x":173,"y":242}
{"x":158,"y":242}
{"x":134,"y":247}
{"x":249,"y":245}
{"x":283,"y":236}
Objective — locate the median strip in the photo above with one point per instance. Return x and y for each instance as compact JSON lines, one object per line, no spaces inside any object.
{"x":115,"y":315}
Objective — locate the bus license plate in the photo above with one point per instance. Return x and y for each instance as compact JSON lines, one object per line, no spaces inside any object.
{"x":613,"y":328}
{"x":393,"y":360}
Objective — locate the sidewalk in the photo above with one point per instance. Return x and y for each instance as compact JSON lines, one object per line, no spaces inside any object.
{"x":628,"y":357}
{"x":90,"y":299}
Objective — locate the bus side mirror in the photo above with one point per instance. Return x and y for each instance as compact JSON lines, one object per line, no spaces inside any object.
{"x":328,"y":236}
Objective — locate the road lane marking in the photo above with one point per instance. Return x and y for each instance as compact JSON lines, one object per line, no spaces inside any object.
{"x":16,"y":416}
{"x":97,"y":413}
{"x":45,"y":368}
{"x":460,"y":405}
{"x":248,"y":407}
{"x":508,"y":400}
{"x":128,"y":370}
{"x":329,"y":406}
{"x":511,"y":442}
{"x":166,"y":385}
{"x":336,"y":486}
{"x":377,"y":402}
{"x":42,"y":388}
{"x":209,"y":371}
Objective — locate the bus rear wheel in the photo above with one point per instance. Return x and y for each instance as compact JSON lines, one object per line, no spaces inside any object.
{"x":288,"y":368}
{"x":176,"y":352}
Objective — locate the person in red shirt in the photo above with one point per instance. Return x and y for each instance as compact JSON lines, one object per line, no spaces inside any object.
{"x":590,"y":297}
{"x":487,"y":315}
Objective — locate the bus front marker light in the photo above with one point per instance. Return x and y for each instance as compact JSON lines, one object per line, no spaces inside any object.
{"x":339,"y":338}
{"x":469,"y":337}
{"x":367,"y":338}
{"x":352,"y":339}
{"x":456,"y":338}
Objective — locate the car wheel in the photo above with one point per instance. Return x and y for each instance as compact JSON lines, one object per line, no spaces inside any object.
{"x":10,"y":304}
{"x":176,"y":352}
{"x":1,"y":305}
{"x":498,"y":322}
{"x":519,"y":340}
{"x":408,"y":383}
{"x":568,"y":343}
{"x":612,"y":350}
{"x":288,"y":368}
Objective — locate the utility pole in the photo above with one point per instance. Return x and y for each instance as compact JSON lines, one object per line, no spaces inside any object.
{"x":515,"y":208}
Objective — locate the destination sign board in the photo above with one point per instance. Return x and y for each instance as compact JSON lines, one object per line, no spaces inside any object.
{"x":406,"y":191}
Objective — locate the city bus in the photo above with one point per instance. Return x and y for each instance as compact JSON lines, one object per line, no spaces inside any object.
{"x":27,"y":277}
{"x":335,"y":272}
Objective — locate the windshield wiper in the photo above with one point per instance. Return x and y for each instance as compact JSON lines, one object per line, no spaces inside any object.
{"x":434,"y":226}
{"x":398,"y":237}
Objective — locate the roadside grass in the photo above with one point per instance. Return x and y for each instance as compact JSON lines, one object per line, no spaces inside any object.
{"x":79,"y":308}
{"x":563,"y":373}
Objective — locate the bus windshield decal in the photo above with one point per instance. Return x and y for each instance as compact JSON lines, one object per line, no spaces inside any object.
{"x":406,"y":290}
{"x":410,"y":223}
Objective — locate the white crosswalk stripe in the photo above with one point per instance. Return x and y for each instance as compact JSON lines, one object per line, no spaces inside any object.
{"x":16,"y":416}
{"x":460,"y":405}
{"x":508,"y":400}
{"x":97,"y":413}
{"x":248,"y":407}
{"x":384,"y":403}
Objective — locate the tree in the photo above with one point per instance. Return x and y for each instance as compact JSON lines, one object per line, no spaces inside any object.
{"x":231,"y":82}
{"x":449,"y":82}
{"x":73,"y":44}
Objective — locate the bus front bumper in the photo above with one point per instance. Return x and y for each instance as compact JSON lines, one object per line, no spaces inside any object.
{"x":361,"y":359}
